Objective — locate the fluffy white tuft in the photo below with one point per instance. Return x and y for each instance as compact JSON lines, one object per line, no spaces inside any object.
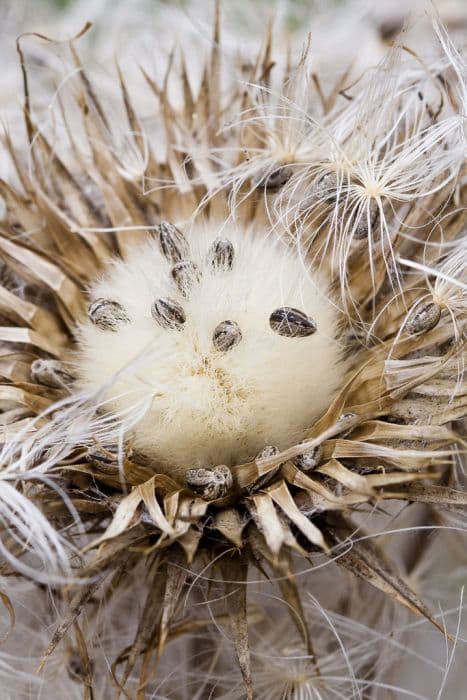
{"x":206,"y":406}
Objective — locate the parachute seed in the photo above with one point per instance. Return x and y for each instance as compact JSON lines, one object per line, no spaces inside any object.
{"x":309,"y":459}
{"x":226,"y":336}
{"x":168,"y":313}
{"x":185,"y":274}
{"x":274,"y":180}
{"x":210,"y":484}
{"x":107,"y":315}
{"x":268,"y":451}
{"x":291,"y":323}
{"x":51,"y":373}
{"x":221,"y":254}
{"x":423,"y":318}
{"x":173,"y":243}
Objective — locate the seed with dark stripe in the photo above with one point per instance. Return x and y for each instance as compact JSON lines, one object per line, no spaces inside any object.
{"x":423,"y":318}
{"x":291,"y":323}
{"x":221,"y":254}
{"x":185,"y":274}
{"x":168,"y":313}
{"x":268,"y":451}
{"x":107,"y":314}
{"x":51,"y":373}
{"x":273,"y":180}
{"x":210,"y":483}
{"x":173,"y":243}
{"x":226,"y":335}
{"x":309,"y":459}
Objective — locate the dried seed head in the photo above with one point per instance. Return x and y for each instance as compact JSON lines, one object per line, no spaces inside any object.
{"x":185,"y":274}
{"x":291,"y":323}
{"x":168,"y":313}
{"x":107,"y":314}
{"x":274,"y":180}
{"x":51,"y":373}
{"x":226,"y":336}
{"x":268,"y":451}
{"x":309,"y":459}
{"x":221,"y":254}
{"x":210,"y":483}
{"x":423,"y":318}
{"x":173,"y":243}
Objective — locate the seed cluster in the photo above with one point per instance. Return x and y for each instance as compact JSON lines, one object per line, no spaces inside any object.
{"x":169,"y":314}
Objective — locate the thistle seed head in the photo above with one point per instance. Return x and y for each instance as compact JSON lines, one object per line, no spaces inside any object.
{"x":291,"y":323}
{"x":173,"y":243}
{"x":107,"y":314}
{"x":210,"y":484}
{"x":168,"y":313}
{"x":226,"y":336}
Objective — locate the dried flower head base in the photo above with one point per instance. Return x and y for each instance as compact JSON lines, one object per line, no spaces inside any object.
{"x":221,"y":359}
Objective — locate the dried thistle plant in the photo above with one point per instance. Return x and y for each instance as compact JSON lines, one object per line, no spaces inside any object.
{"x":229,"y":363}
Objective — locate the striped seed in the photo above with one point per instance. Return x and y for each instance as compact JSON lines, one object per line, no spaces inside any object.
{"x":107,"y":314}
{"x":291,"y":323}
{"x":168,"y":313}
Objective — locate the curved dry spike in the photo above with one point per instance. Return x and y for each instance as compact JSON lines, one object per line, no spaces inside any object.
{"x":423,"y":318}
{"x":226,"y":336}
{"x":185,"y":275}
{"x":221,"y":254}
{"x":168,"y":313}
{"x":309,"y":460}
{"x":51,"y":373}
{"x":173,"y":243}
{"x":107,"y":314}
{"x":291,"y":323}
{"x":210,"y":484}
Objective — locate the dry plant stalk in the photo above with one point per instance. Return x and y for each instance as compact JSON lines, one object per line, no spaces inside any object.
{"x":365,"y":187}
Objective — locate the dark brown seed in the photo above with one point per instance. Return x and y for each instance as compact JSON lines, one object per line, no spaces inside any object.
{"x":185,"y":274}
{"x":268,"y":451}
{"x":291,"y":323}
{"x":173,"y":243}
{"x":221,"y":254}
{"x":210,"y":484}
{"x":423,"y":318}
{"x":226,"y":336}
{"x":168,"y":313}
{"x":273,"y":180}
{"x":107,"y":314}
{"x":51,"y":373}
{"x":360,"y":231}
{"x":309,"y":460}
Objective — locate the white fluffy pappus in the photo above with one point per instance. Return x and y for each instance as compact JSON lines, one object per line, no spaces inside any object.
{"x":205,"y":405}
